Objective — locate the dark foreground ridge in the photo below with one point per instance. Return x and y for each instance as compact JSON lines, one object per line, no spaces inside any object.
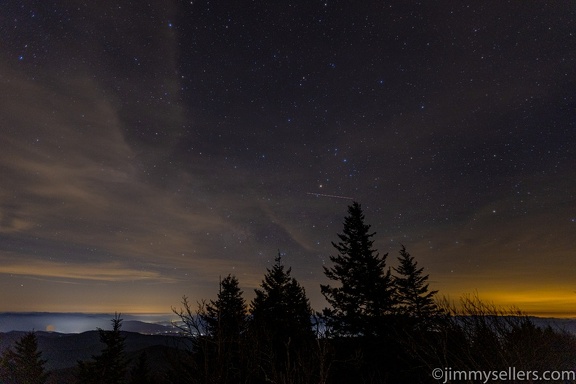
{"x":63,"y":351}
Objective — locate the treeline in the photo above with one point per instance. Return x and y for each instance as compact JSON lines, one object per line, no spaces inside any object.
{"x":277,"y":338}
{"x":383,"y":325}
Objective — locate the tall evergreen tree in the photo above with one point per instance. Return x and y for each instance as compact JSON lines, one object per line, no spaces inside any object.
{"x":110,"y":366}
{"x":225,"y":317}
{"x":415,"y":301}
{"x":281,"y":305}
{"x":24,"y":364}
{"x":225,"y":321}
{"x":281,"y":324}
{"x":363,"y":300}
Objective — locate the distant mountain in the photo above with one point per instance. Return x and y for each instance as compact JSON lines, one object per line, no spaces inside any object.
{"x":148,"y":328}
{"x":567,"y":325}
{"x":82,"y":322}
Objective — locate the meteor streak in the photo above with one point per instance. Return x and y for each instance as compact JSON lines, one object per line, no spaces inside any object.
{"x":333,"y":196}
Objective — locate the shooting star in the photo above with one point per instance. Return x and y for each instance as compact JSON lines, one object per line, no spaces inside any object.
{"x":332,"y":196}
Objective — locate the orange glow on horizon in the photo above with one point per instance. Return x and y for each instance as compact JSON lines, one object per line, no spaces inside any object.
{"x":552,"y":303}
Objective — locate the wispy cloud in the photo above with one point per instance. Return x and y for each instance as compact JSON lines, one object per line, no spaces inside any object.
{"x":104,"y":271}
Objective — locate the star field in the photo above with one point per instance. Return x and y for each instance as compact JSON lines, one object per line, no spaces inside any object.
{"x":146,"y":149}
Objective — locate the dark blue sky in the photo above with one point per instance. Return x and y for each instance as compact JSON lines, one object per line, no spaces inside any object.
{"x":147,"y":149}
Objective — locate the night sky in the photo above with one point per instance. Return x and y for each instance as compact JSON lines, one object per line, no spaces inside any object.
{"x":147,"y":149}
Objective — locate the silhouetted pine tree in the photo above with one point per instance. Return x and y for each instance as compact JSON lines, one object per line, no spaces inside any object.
{"x":363,"y":300}
{"x":226,"y":316}
{"x":281,"y":327}
{"x":225,"y":321}
{"x":24,"y":364}
{"x":110,"y":366}
{"x":415,"y":302}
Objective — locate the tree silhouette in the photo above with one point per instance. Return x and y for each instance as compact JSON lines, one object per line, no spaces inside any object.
{"x":415,"y":302}
{"x":281,"y":325}
{"x":225,"y":323}
{"x":363,"y":301}
{"x":226,"y":316}
{"x":24,"y":364}
{"x":110,"y":366}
